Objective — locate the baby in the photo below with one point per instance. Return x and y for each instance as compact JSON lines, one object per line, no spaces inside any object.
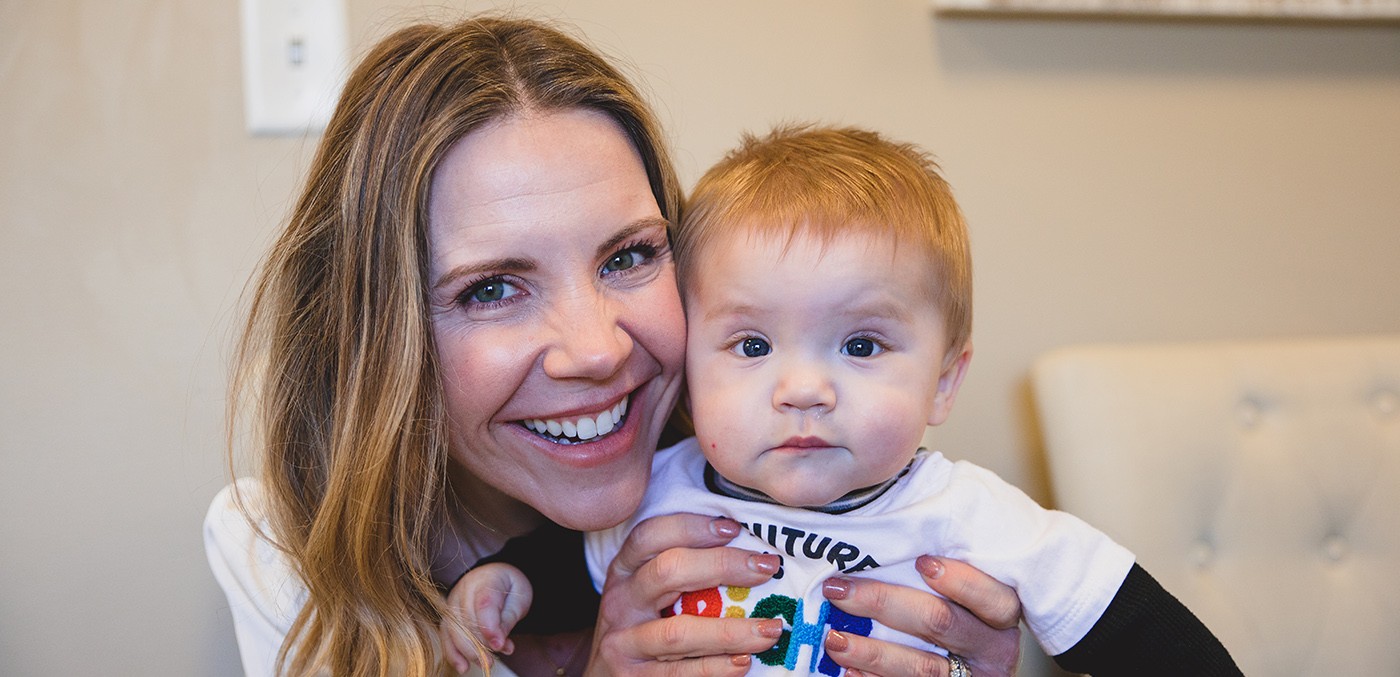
{"x":827,"y":285}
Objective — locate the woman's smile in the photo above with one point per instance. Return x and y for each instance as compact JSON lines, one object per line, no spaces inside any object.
{"x":580,"y":444}
{"x":578,"y":429}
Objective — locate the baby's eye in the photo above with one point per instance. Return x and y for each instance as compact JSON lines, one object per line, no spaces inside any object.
{"x":861,"y":347}
{"x":493,"y":290}
{"x":755,"y":347}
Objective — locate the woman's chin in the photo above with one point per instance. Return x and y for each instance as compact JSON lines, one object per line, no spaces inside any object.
{"x":598,"y":499}
{"x":598,"y":515}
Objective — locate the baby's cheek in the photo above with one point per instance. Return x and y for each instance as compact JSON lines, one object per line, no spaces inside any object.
{"x":891,"y":434}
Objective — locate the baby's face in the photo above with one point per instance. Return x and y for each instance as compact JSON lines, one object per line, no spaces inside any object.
{"x":814,"y":369}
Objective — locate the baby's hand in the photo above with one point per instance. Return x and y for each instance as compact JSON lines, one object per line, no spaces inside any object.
{"x":488,"y":601}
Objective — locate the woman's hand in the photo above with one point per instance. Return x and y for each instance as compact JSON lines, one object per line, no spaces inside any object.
{"x":663,"y":557}
{"x":978,"y":620}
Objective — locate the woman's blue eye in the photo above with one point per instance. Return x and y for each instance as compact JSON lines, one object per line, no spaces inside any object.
{"x":860,"y":347}
{"x":622,"y":261}
{"x":755,"y":347}
{"x":488,"y":291}
{"x":629,"y":258}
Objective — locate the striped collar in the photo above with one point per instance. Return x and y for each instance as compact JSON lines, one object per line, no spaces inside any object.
{"x":859,"y":498}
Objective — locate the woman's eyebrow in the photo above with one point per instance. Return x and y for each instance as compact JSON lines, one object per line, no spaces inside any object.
{"x":506,"y":265}
{"x":611,"y":244}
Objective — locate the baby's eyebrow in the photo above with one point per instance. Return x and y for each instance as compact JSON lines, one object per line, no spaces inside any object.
{"x":880,"y":309}
{"x":885,"y":310}
{"x":736,"y":309}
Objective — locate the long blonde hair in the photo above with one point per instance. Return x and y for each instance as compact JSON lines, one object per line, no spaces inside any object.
{"x":337,"y":364}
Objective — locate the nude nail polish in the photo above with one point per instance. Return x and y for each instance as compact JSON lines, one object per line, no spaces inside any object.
{"x":724,"y":527}
{"x":929,"y":566}
{"x":836,"y":642}
{"x":836,"y":588}
{"x":764,"y":564}
{"x":772,"y":628}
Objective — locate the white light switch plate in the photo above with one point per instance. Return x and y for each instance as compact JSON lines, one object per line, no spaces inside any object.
{"x":295,"y":56}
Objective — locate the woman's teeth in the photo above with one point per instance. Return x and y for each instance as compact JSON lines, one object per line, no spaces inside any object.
{"x":582,"y":428}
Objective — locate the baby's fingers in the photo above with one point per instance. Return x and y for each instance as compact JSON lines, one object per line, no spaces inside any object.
{"x":499,"y":596}
{"x":517,"y":604}
{"x":494,"y":623}
{"x":458,"y":650}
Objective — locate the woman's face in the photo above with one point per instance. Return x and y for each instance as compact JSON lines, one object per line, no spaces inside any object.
{"x":554,"y":307}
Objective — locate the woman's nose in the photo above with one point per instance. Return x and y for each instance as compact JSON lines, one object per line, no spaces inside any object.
{"x":588,"y":340}
{"x":804,"y":387}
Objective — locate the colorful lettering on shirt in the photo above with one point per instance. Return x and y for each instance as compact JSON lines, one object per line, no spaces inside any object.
{"x":797,"y":632}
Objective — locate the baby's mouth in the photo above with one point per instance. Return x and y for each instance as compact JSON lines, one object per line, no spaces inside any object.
{"x":582,"y":428}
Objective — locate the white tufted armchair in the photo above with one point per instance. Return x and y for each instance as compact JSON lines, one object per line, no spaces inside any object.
{"x":1259,"y":482}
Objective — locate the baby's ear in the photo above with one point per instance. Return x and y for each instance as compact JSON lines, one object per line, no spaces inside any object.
{"x":949,"y":380}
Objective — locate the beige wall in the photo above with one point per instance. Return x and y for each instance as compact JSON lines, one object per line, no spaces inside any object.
{"x":1124,"y":180}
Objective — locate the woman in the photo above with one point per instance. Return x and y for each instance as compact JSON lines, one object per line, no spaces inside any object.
{"x":482,"y":246}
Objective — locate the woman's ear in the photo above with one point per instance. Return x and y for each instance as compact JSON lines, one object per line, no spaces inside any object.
{"x":949,"y":380}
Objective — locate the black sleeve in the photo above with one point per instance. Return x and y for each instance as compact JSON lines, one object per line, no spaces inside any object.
{"x":552,"y":558}
{"x":1147,"y":631}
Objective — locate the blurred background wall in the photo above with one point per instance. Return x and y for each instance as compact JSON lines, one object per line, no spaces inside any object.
{"x":1124,"y":180}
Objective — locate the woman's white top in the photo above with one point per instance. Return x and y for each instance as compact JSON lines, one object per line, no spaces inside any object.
{"x":264,"y":593}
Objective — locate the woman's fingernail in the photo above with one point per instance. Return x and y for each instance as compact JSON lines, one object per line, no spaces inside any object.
{"x":837,"y":642}
{"x":770,"y":628}
{"x":723,"y":526}
{"x":929,"y":565}
{"x":741,"y":660}
{"x":764,"y":564}
{"x":836,"y":588}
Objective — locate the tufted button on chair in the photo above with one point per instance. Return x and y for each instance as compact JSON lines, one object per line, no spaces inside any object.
{"x":1258,"y":481}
